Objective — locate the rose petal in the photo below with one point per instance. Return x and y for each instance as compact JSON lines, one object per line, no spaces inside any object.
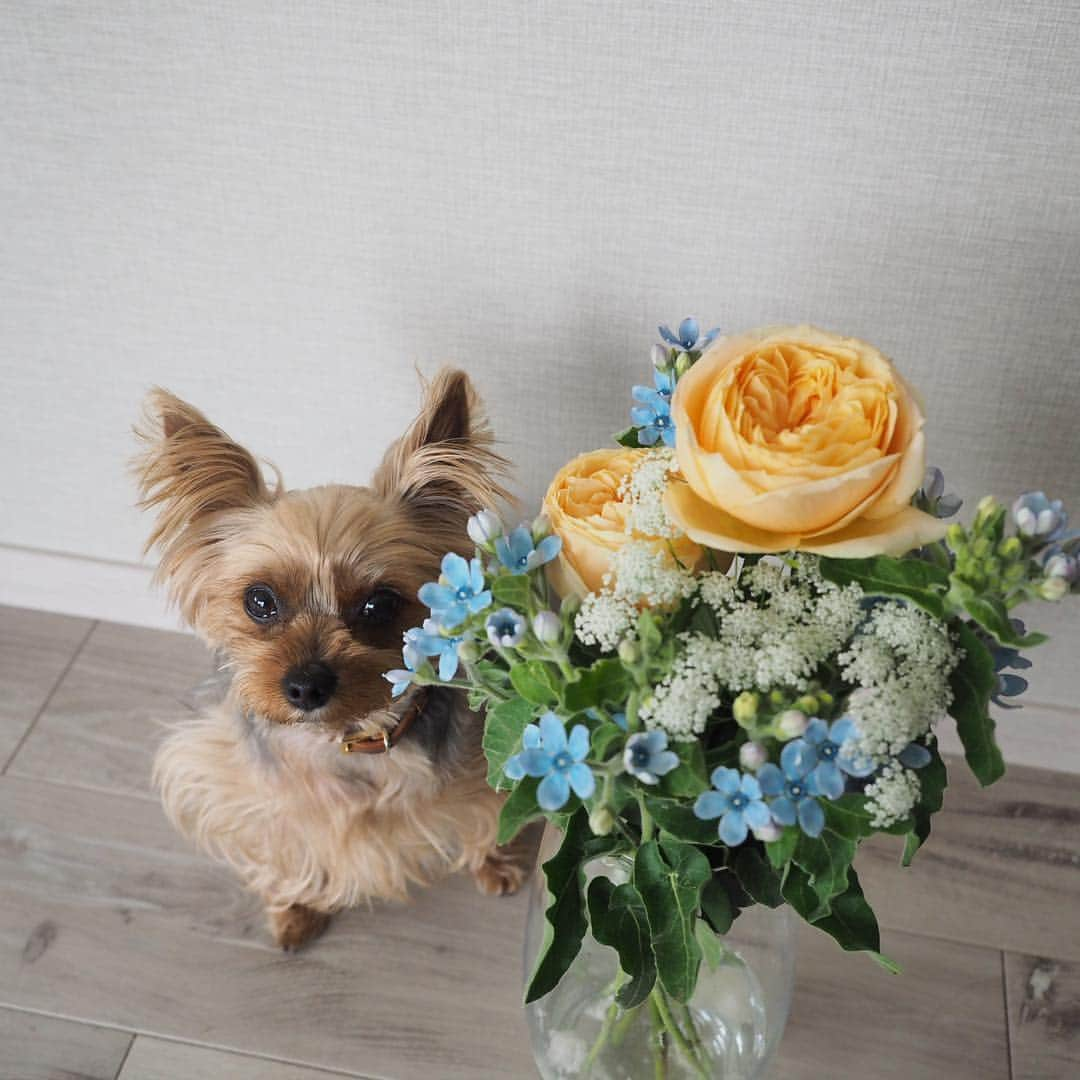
{"x":710,"y":526}
{"x":896,"y":535}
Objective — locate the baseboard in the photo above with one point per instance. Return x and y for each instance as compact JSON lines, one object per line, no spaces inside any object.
{"x":75,"y":585}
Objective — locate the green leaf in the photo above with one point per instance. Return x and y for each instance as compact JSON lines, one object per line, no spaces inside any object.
{"x":780,"y":851}
{"x":513,"y":590}
{"x":851,"y":922}
{"x":690,"y":779}
{"x":618,"y":918}
{"x":670,"y":876}
{"x":712,"y":948}
{"x":800,"y":894}
{"x":564,"y":916}
{"x":973,"y":681}
{"x":519,"y":809}
{"x":677,"y":817}
{"x":991,"y":614}
{"x":716,"y":903}
{"x":607,"y":735}
{"x":629,"y":437}
{"x":848,"y":816}
{"x":535,"y":682}
{"x":933,"y":779}
{"x":827,"y":859}
{"x":757,"y":876}
{"x":649,"y":635}
{"x":920,"y":582}
{"x":607,"y":682}
{"x":502,"y":737}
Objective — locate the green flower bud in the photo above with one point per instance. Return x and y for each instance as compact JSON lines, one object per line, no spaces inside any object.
{"x":684,"y":364}
{"x":745,"y":708}
{"x":776,"y":697}
{"x":629,"y":652}
{"x":956,"y":536}
{"x":1011,"y":548}
{"x":601,"y":821}
{"x":825,"y":697}
{"x":807,"y":704}
{"x":468,"y":652}
{"x":981,"y":548}
{"x":1053,"y":588}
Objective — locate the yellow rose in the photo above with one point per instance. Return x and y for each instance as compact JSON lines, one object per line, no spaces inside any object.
{"x":586,"y":509}
{"x":797,"y":438}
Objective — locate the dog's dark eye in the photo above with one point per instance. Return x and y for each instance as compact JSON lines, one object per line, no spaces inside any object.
{"x":379,"y":608}
{"x":261,"y":604}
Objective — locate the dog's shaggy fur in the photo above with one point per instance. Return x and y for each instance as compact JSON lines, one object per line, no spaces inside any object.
{"x":260,"y":783}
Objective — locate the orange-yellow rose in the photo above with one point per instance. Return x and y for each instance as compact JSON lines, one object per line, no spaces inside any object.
{"x":586,"y":508}
{"x":794,"y":437}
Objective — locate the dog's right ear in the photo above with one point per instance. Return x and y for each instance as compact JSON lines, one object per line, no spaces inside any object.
{"x":189,"y":471}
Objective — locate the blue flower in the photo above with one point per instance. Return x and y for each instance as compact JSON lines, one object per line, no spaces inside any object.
{"x":827,"y":743}
{"x":520,"y":554}
{"x":1009,"y":685}
{"x":530,"y":740}
{"x":915,"y":756}
{"x":647,"y":757}
{"x":931,"y":496}
{"x":792,"y":788}
{"x":688,"y":338}
{"x":428,"y":641}
{"x":736,"y":800}
{"x":505,"y":628}
{"x":548,"y":753}
{"x":1038,"y":517}
{"x":1056,"y":562}
{"x":653,"y":417}
{"x":400,"y":680}
{"x":458,"y":594}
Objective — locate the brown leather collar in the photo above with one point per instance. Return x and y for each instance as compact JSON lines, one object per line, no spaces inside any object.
{"x":387,"y":740}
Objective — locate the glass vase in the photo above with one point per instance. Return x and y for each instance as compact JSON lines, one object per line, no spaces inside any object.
{"x":729,"y":1029}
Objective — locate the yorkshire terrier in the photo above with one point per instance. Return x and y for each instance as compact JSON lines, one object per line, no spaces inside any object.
{"x":306,"y":595}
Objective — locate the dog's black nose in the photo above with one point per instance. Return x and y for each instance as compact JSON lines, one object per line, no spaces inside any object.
{"x":309,"y":686}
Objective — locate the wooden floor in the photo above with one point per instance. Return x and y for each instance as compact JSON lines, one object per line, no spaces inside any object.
{"x":123,"y":954}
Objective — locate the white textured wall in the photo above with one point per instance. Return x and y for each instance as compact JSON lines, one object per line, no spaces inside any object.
{"x":278,"y":209}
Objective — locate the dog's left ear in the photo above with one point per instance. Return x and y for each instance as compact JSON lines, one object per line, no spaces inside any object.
{"x":445,"y":461}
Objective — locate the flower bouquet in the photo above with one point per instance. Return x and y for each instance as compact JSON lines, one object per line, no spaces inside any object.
{"x":715,"y":663}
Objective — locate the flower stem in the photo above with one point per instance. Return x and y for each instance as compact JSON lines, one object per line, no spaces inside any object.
{"x":647,"y":826}
{"x":659,"y":999}
{"x":656,"y":1042}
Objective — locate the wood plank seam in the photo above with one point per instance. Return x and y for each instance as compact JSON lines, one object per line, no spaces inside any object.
{"x":51,"y":694}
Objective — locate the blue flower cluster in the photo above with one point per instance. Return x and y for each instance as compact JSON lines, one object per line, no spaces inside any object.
{"x":811,"y":767}
{"x":652,"y":413}
{"x":461,"y":593}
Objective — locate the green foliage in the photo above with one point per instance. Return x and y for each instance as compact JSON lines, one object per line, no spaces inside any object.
{"x":618,"y":919}
{"x":712,"y":947}
{"x":606,"y":736}
{"x":565,"y":923}
{"x":848,"y":816}
{"x":920,"y":582}
{"x":973,"y":681}
{"x":717,"y":904}
{"x":519,"y":809}
{"x":990,"y":613}
{"x":607,"y":682}
{"x":757,"y":876}
{"x":691,"y":778}
{"x":513,"y":590}
{"x":629,"y":437}
{"x":851,"y":922}
{"x":933,"y":779}
{"x":780,"y":851}
{"x":502,"y":737}
{"x":670,"y":876}
{"x":826,"y":861}
{"x":676,"y":817}
{"x":535,"y":682}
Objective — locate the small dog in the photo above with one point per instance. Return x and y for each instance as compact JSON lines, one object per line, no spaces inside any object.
{"x":306,"y":594}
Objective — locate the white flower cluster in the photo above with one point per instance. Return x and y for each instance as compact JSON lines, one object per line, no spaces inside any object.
{"x":642,"y":574}
{"x":775,"y":628}
{"x":892,"y":796}
{"x":900,"y":663}
{"x":604,"y":620}
{"x":682,"y":704}
{"x":642,"y":492}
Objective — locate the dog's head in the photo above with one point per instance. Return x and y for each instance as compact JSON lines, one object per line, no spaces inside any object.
{"x":308,"y":593}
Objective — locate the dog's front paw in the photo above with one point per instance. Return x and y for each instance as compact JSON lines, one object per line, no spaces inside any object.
{"x":296,"y":925}
{"x":503,"y":871}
